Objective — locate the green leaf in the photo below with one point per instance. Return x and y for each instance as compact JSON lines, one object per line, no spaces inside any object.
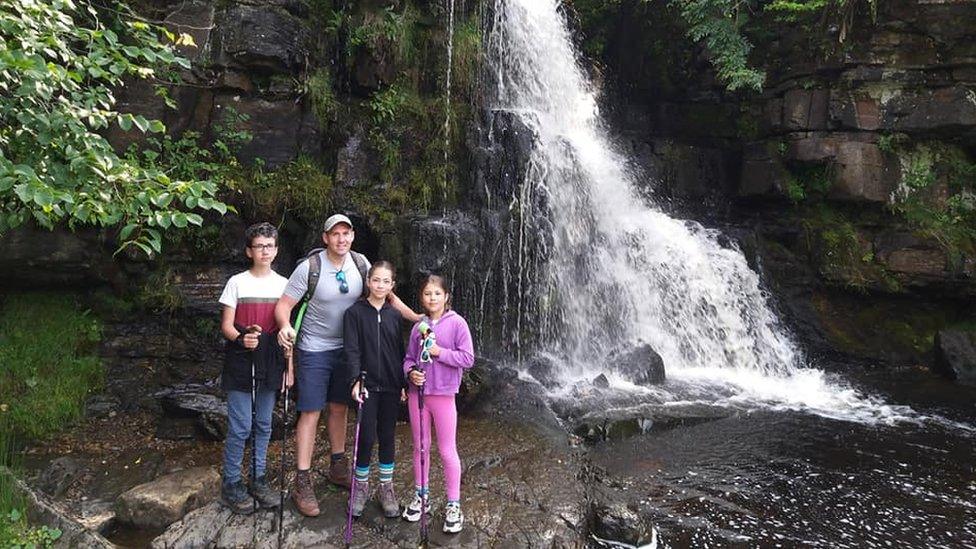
{"x":125,"y":122}
{"x":126,"y":231}
{"x":180,"y":220}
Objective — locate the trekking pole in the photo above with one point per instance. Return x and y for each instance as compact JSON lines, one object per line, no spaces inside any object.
{"x":254,"y":439}
{"x":281,"y":464}
{"x":355,"y":452}
{"x":423,"y":465}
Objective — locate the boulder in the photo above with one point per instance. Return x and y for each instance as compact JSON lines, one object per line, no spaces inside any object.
{"x":641,"y":365}
{"x":616,"y":522}
{"x":162,"y":502}
{"x":601,"y":382}
{"x":544,"y":369}
{"x":955,"y":354}
{"x":209,"y":410}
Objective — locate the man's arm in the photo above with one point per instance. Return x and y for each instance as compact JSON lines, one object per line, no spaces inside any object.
{"x":282,"y":313}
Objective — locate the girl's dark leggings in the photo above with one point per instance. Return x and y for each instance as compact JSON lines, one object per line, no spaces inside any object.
{"x":378,"y":421}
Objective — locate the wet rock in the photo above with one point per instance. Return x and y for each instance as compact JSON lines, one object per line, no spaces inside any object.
{"x":955,"y":354}
{"x":601,"y":382}
{"x":616,"y":522}
{"x":36,"y":258}
{"x":101,"y":406}
{"x":159,"y":503}
{"x":863,"y":174}
{"x":43,"y":510}
{"x":353,"y":167}
{"x":259,"y":37}
{"x":763,"y":170}
{"x":544,"y":369}
{"x":60,"y":474}
{"x":280,"y":130}
{"x":112,"y":477}
{"x":599,"y":429}
{"x":805,"y":109}
{"x":641,"y":365}
{"x":209,"y":411}
{"x":504,"y":158}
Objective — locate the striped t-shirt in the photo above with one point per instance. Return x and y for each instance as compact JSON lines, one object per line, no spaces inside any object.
{"x":253,"y":299}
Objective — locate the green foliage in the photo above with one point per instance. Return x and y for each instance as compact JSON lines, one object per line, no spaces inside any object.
{"x":298,"y":188}
{"x":839,"y":250}
{"x":467,"y":55}
{"x":321,"y":95}
{"x":843,"y":13}
{"x":47,"y":363}
{"x":717,"y":24}
{"x":809,"y":181}
{"x":16,"y":534}
{"x":937,"y":196}
{"x":160,"y":294}
{"x":60,"y":61}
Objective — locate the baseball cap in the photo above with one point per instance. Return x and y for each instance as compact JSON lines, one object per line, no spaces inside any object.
{"x":335,"y":220}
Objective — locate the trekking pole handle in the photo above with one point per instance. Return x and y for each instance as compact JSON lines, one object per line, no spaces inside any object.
{"x":362,"y":384}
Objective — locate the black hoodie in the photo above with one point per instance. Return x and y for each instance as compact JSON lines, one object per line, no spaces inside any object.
{"x":373,"y":342}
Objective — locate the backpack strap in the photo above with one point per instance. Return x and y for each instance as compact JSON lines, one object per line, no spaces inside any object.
{"x":360,"y":261}
{"x":314,"y":272}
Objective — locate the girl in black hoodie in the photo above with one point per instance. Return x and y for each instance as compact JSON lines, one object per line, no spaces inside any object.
{"x":373,"y":344}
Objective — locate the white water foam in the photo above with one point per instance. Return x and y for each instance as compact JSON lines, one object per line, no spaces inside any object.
{"x":617,"y":270}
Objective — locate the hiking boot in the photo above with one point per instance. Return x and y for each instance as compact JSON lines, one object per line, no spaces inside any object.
{"x":267,"y":498}
{"x":234,"y":497}
{"x":453,"y":518}
{"x":339,"y":473}
{"x":303,"y":494}
{"x":388,"y":500}
{"x":360,"y":495}
{"x":412,"y":512}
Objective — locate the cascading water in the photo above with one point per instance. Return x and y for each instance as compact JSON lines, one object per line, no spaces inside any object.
{"x":596,"y":268}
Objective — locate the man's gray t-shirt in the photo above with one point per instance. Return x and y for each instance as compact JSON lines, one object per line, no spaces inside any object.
{"x":322,"y":324}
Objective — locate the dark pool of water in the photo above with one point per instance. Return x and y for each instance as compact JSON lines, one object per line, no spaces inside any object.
{"x":762,"y":478}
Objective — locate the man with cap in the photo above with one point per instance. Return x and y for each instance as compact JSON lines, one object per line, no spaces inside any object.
{"x":319,"y":375}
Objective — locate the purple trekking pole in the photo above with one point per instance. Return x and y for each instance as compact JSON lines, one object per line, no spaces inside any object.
{"x":423,"y":465}
{"x":355,"y":452}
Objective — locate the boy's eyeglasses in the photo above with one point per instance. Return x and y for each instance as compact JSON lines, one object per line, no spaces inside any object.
{"x":343,"y":285}
{"x":268,"y":247}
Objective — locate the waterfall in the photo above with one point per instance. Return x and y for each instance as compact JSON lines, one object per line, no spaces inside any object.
{"x":612,"y":265}
{"x":447,"y":95}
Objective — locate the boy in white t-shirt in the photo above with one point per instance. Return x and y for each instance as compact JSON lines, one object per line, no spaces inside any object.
{"x":248,"y":324}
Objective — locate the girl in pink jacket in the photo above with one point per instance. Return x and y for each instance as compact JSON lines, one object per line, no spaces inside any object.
{"x":439,"y":351}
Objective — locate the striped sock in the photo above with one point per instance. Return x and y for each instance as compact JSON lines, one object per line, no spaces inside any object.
{"x":362,"y":473}
{"x":421,"y":491}
{"x":386,"y":472}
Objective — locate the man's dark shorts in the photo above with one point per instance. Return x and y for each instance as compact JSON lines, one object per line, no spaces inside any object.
{"x":320,"y":377}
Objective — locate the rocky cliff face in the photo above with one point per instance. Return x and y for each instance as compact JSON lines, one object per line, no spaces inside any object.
{"x":849,"y":180}
{"x":850,"y":177}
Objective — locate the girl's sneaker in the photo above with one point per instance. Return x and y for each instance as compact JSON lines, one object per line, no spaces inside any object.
{"x":412,"y":512}
{"x":453,"y":519}
{"x":360,"y":495}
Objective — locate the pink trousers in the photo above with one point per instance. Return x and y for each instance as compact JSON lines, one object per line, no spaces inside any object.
{"x":443,"y":411}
